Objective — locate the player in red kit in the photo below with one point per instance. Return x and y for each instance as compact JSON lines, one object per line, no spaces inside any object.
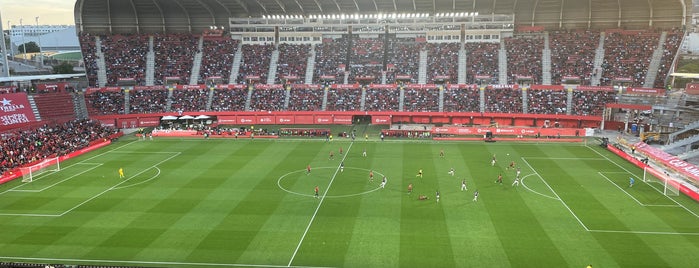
{"x":316,"y":191}
{"x":308,"y":169}
{"x":371,"y":176}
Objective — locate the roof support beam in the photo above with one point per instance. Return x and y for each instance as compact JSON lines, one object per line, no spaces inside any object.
{"x":319,"y":6}
{"x":281,"y":5}
{"x":230,"y":14}
{"x":589,"y":14}
{"x":618,"y":23}
{"x":109,"y":15}
{"x":650,"y":15}
{"x":684,"y":12}
{"x":300,"y":6}
{"x":536,"y":4}
{"x":414,"y":6}
{"x":189,"y":18}
{"x":211,"y":12}
{"x":262,"y":6}
{"x":395,"y":7}
{"x":135,"y":14}
{"x":162,"y":15}
{"x":560,"y":17}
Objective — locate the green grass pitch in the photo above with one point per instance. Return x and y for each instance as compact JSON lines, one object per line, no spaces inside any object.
{"x":217,"y":203}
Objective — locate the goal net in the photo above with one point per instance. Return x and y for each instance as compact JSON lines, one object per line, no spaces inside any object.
{"x":47,"y":165}
{"x":670,"y":182}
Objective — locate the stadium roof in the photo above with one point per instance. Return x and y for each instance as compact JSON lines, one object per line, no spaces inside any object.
{"x":98,"y":16}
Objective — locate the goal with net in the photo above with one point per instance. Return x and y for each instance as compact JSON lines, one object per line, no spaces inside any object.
{"x":46,"y":165}
{"x":670,"y":185}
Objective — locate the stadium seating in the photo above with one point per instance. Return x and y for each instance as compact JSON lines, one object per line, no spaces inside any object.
{"x":503,"y":100}
{"x":482,"y":60}
{"x":148,"y":101}
{"x":189,"y":100}
{"x":544,"y":101}
{"x":256,"y":59}
{"x":403,"y":59}
{"x":461,"y":100}
{"x":366,"y":60}
{"x":344,"y":99}
{"x":89,"y":49}
{"x":26,"y":146}
{"x":174,"y":56}
{"x":217,"y":59}
{"x":306,"y":99}
{"x":524,"y":58}
{"x":105,"y":102}
{"x":381,"y":99}
{"x":330,"y":60}
{"x":271,"y":99}
{"x":292,"y":62}
{"x":672,"y":43}
{"x":591,"y":102}
{"x":573,"y":54}
{"x":229,"y":100}
{"x":421,"y":100}
{"x":442,"y":60}
{"x":55,"y":105}
{"x":627,"y":55}
{"x":126,"y":57}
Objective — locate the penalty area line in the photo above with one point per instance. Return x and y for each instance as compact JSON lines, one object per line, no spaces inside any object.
{"x":151,"y":262}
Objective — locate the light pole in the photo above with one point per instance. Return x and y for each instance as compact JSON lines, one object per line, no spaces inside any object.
{"x":41,"y":50}
{"x":21,"y":28}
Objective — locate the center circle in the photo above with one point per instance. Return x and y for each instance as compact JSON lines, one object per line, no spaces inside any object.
{"x":336,"y":173}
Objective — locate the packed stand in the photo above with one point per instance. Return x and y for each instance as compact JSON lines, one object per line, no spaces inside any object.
{"x":421,"y":100}
{"x":403,"y":59}
{"x":503,"y":100}
{"x":89,"y":52}
{"x":125,"y":56}
{"x":462,"y":100}
{"x":229,"y":100}
{"x":174,"y":56}
{"x":268,"y":99}
{"x":255,"y":62}
{"x":382,"y":99}
{"x":442,"y":60}
{"x":366,"y":60}
{"x":342,"y":99}
{"x":587,"y":102}
{"x":627,"y":55}
{"x":189,"y":99}
{"x":672,"y":43}
{"x":147,"y":101}
{"x":546,"y":101}
{"x":524,"y":58}
{"x":306,"y":99}
{"x":217,"y":58}
{"x":105,"y":102}
{"x":330,"y":60}
{"x":292,"y":62}
{"x":482,"y":60}
{"x":22,"y":147}
{"x":573,"y":54}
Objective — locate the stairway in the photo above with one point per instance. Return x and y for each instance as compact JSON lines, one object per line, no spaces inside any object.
{"x":168,"y":106}
{"x":237,"y":61}
{"x":683,"y":142}
{"x":272,"y":73}
{"x":461,"y":78}
{"x":655,"y":61}
{"x":196,"y":64}
{"x":599,"y":59}
{"x":422,"y":69}
{"x":287,"y":96}
{"x":525,"y":101}
{"x":688,"y":127}
{"x":481,"y":100}
{"x":325,"y":99}
{"x":150,"y":64}
{"x":441,"y":99}
{"x":101,"y":65}
{"x":210,"y":99}
{"x":310,"y":66}
{"x":79,"y":105}
{"x":248,"y":100}
{"x":35,"y":109}
{"x":362,"y":101}
{"x":546,"y":61}
{"x":127,"y":101}
{"x":401,"y":99}
{"x":502,"y":64}
{"x":569,"y":102}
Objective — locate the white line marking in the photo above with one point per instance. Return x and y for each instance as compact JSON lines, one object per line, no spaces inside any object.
{"x":318,"y":207}
{"x":526,"y":187}
{"x":566,"y":158}
{"x":642,"y":232}
{"x":155,"y":262}
{"x":556,"y":194}
{"x":117,"y":185}
{"x":673,"y":200}
{"x":330,"y":196}
{"x":632,"y":197}
{"x":151,"y":178}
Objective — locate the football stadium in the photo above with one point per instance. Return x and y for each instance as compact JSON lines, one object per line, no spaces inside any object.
{"x":358,"y":133}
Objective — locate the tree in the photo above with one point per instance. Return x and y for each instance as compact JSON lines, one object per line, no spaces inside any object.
{"x":63,"y":68}
{"x":32,"y":47}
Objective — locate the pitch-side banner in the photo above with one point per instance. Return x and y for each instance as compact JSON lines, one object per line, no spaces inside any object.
{"x":15,"y":109}
{"x":509,"y":131}
{"x":672,"y":161}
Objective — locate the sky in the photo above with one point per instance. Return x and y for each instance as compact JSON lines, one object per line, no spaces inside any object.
{"x":51,"y":12}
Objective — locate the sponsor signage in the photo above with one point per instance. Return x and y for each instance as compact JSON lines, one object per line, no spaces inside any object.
{"x":15,"y":109}
{"x":303,"y":119}
{"x":265,"y":119}
{"x":342,"y":119}
{"x":246,"y":119}
{"x":323,"y":119}
{"x":681,"y":166}
{"x":508,"y":131}
{"x":285,"y":119}
{"x":650,"y":91}
{"x":149,"y":122}
{"x":381,"y":119}
{"x":227,"y":120}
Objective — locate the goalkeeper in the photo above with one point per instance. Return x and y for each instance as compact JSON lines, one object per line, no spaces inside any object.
{"x":121,"y":173}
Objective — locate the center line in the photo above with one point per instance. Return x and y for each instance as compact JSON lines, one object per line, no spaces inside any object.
{"x":318,"y":207}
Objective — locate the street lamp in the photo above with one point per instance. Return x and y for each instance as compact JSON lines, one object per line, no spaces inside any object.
{"x":41,"y":50}
{"x":9,"y":34}
{"x":21,"y":28}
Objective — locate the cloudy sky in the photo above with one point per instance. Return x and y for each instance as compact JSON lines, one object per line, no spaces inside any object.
{"x":49,"y":11}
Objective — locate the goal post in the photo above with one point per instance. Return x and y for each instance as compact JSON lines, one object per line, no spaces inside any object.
{"x":46,"y":165}
{"x":671,"y":187}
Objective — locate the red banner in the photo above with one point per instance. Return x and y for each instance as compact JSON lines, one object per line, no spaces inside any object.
{"x":383,"y":86}
{"x":227,"y":119}
{"x":381,"y":119}
{"x":594,"y":88}
{"x":190,"y":87}
{"x":285,"y":119}
{"x":342,"y":119}
{"x":52,"y":87}
{"x":7,"y":89}
{"x":508,"y":131}
{"x":645,"y":91}
{"x":246,"y":119}
{"x":265,"y":119}
{"x":549,"y":87}
{"x":236,"y":86}
{"x":686,"y":168}
{"x":421,"y":86}
{"x":149,"y":122}
{"x":305,"y":86}
{"x":15,"y":109}
{"x":323,"y":119}
{"x":108,"y":122}
{"x":692,"y":89}
{"x":303,"y":119}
